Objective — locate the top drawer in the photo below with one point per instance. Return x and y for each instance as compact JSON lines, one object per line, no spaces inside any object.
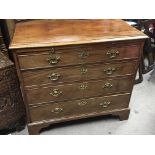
{"x":76,"y":55}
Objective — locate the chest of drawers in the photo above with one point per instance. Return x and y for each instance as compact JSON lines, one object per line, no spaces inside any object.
{"x":74,"y":69}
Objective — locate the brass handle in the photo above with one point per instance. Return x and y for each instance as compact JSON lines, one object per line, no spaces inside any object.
{"x":109,"y":70}
{"x":55,"y":92}
{"x":112,"y":53}
{"x":57,"y":110}
{"x":54,"y":76}
{"x":105,"y":104}
{"x":53,"y":59}
{"x":107,"y":85}
{"x":83,"y":86}
{"x":82,"y":103}
{"x":84,"y":55}
{"x":83,"y":70}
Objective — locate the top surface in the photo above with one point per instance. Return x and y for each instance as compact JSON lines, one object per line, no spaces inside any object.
{"x":44,"y":33}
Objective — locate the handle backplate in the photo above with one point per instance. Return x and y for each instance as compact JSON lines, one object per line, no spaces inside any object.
{"x":109,"y":70}
{"x":84,"y":54}
{"x":57,"y":110}
{"x":112,"y":53}
{"x":56,"y":92}
{"x":53,"y":59}
{"x":54,"y":76}
{"x":82,"y":103}
{"x":107,"y":85}
{"x":105,"y":104}
{"x":83,"y":70}
{"x":83,"y":86}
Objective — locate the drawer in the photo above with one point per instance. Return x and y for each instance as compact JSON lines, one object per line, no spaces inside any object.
{"x":78,"y":107}
{"x":73,"y":56}
{"x":79,"y":90}
{"x":78,"y":73}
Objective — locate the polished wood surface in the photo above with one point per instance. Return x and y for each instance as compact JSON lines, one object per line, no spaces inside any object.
{"x":62,"y":62}
{"x":43,"y":33}
{"x":73,"y":56}
{"x":85,"y":72}
{"x":74,"y":91}
{"x":79,"y":107}
{"x":36,"y":127}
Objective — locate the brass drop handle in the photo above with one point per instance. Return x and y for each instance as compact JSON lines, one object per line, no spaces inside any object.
{"x":83,"y":86}
{"x":113,"y":53}
{"x":105,"y":104}
{"x":84,"y":54}
{"x":54,"y":76}
{"x":109,"y":70}
{"x":56,"y":92}
{"x":53,"y":59}
{"x":57,"y":110}
{"x":107,"y":85}
{"x":82,"y":103}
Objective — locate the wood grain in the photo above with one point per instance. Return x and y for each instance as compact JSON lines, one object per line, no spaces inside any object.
{"x":78,"y":73}
{"x":73,"y":91}
{"x":72,"y":56}
{"x":73,"y":108}
{"x":43,"y":33}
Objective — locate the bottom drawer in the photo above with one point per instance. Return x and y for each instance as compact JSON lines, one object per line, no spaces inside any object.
{"x":78,"y":107}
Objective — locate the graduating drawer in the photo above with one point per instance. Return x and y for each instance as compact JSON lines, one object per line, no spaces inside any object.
{"x":78,"y":107}
{"x":77,"y":73}
{"x":79,"y":90}
{"x":77,"y":55}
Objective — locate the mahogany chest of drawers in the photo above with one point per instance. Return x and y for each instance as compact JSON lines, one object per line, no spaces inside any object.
{"x":12,"y":110}
{"x":73,"y":69}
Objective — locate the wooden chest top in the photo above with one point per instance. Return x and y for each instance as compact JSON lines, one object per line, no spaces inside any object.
{"x":44,"y":33}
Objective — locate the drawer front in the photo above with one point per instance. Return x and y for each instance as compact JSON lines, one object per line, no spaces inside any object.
{"x":79,"y":90}
{"x":77,"y":56}
{"x":78,"y":107}
{"x":78,"y":73}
